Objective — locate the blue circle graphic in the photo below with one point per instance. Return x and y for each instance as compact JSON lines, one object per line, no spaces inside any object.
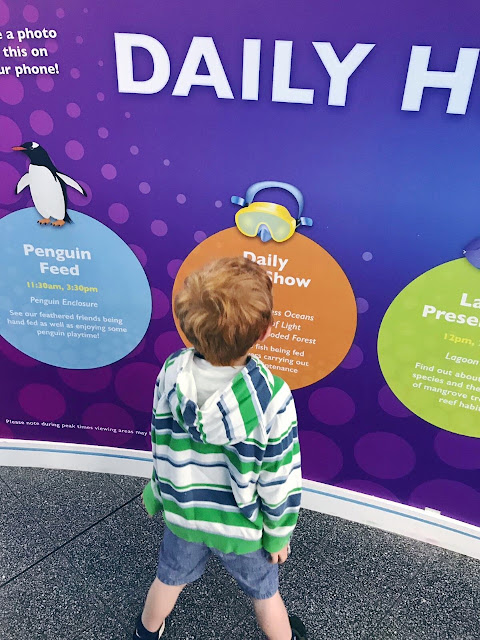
{"x":74,"y":296}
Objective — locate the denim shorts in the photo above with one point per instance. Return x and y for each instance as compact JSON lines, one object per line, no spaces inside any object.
{"x":181,"y":562}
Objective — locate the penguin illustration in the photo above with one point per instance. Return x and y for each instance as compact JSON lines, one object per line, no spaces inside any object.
{"x":48,"y":186}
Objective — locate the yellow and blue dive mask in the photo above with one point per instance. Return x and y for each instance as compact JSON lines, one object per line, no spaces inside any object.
{"x":268,"y":220}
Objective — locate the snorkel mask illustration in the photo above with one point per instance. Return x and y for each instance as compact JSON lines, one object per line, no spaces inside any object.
{"x":267,"y":220}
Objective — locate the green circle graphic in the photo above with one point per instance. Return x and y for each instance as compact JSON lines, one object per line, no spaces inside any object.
{"x":429,"y":347}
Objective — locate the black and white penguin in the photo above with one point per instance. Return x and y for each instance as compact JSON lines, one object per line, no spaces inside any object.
{"x":47,"y":185}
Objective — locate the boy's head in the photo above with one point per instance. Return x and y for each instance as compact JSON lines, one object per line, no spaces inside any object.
{"x":224,"y":308}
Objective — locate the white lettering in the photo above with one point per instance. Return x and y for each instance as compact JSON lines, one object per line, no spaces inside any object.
{"x":124,"y":44}
{"x":203,"y":48}
{"x":427,"y":310}
{"x":459,"y":81}
{"x":282,"y":70}
{"x":340,"y":72}
{"x":251,"y":69}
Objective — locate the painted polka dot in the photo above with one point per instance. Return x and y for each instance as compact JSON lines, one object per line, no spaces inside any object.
{"x":85,"y":10}
{"x":321,"y":455}
{"x":166,"y":162}
{"x":42,"y":401}
{"x":103,"y":132}
{"x":362,"y":305}
{"x":10,"y":178}
{"x":159,"y":228}
{"x":75,"y":73}
{"x":109,"y":172}
{"x":218,"y":204}
{"x":11,"y":135}
{"x":127,"y":114}
{"x":51,"y":46}
{"x":384,"y":455}
{"x":79,"y":199}
{"x":60,"y":13}
{"x":160,"y":304}
{"x":199,"y":236}
{"x":79,"y":40}
{"x":367,"y":256}
{"x":140,"y":253}
{"x":100,"y":96}
{"x":331,"y":406}
{"x":369,"y":488}
{"x":144,"y":188}
{"x":134,"y":150}
{"x":100,"y":63}
{"x":454,"y":499}
{"x":41,"y":122}
{"x":172,"y":268}
{"x":460,"y":452}
{"x":87,"y":380}
{"x":134,"y":384}
{"x":30,"y":13}
{"x":4,"y":13}
{"x":11,"y":90}
{"x":45,"y":83}
{"x":16,"y":356}
{"x":73,"y":110}
{"x":112,"y":418}
{"x":74,"y":150}
{"x":166,"y":344}
{"x":353,"y":359}
{"x":118,"y":212}
{"x":391,"y":404}
{"x":181,"y":198}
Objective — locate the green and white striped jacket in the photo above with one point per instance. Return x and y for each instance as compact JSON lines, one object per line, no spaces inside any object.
{"x":227,"y":475}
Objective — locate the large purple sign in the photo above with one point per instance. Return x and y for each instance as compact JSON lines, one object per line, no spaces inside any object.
{"x":347,"y":134}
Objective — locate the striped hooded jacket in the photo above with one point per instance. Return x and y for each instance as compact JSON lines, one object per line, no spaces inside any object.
{"x":228,"y":475}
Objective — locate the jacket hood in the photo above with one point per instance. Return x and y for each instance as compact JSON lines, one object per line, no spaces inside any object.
{"x":229,"y":415}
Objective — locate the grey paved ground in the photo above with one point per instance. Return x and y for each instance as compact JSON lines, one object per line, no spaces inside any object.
{"x":77,"y":554}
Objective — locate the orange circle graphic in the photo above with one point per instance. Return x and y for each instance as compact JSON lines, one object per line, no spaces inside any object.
{"x":315,"y":314}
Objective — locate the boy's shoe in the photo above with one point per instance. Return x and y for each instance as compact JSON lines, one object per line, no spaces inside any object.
{"x":298,"y":628}
{"x":158,"y":634}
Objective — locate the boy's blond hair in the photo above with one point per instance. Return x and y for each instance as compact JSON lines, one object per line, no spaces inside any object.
{"x":224,"y":308}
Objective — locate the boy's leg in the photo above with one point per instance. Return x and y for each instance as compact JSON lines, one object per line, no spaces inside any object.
{"x":258,"y":578}
{"x":160,"y":601}
{"x":273,"y":618}
{"x":179,"y":564}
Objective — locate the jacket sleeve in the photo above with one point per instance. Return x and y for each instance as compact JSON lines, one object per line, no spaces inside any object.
{"x":152,"y":499}
{"x":280,"y":480}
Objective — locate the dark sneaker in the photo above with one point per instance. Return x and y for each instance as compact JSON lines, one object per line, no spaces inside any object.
{"x":158,"y":634}
{"x":298,"y":628}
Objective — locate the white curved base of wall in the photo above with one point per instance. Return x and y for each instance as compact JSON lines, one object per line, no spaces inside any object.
{"x":425,"y":525}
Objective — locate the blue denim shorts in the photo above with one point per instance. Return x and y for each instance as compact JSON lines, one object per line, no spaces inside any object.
{"x":181,"y":562}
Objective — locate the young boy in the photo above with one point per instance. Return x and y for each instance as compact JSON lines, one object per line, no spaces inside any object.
{"x":225,"y":447}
